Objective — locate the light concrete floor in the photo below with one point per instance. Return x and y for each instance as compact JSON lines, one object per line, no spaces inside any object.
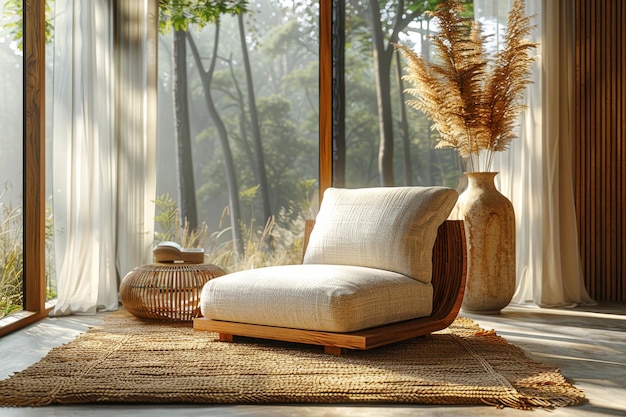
{"x":588,"y":345}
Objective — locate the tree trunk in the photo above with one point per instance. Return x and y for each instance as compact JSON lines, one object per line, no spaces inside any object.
{"x":186,"y":185}
{"x":339,"y":97}
{"x":425,"y":42}
{"x":246,"y":147}
{"x":231,"y":179}
{"x":382,"y":68}
{"x":261,"y":175}
{"x":404,"y":124}
{"x":382,"y":51}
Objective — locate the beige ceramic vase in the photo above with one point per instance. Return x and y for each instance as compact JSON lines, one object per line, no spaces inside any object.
{"x":490,"y":232}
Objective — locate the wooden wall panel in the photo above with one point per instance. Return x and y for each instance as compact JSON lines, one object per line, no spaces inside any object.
{"x":600,"y":145}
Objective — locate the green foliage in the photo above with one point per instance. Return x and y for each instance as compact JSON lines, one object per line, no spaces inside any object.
{"x":305,"y":194}
{"x":11,"y":296}
{"x":11,"y":258}
{"x":248,"y":195}
{"x":11,"y":261}
{"x":167,"y":220}
{"x":12,"y":20}
{"x":290,"y":161}
{"x":179,"y":14}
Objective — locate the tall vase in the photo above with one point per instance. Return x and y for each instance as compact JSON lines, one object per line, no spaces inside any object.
{"x":490,"y":232}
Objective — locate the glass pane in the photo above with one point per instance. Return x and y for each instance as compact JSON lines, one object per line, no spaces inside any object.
{"x":11,"y":155}
{"x":371,"y":88}
{"x":238,"y":133}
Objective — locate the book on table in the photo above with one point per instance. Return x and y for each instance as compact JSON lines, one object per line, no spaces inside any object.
{"x":168,"y":251}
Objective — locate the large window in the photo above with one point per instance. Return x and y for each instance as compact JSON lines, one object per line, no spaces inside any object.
{"x":238,"y":131}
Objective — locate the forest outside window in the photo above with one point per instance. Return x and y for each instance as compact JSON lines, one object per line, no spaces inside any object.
{"x":238,"y":130}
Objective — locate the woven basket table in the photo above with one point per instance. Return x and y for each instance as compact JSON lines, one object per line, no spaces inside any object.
{"x":166,"y":292}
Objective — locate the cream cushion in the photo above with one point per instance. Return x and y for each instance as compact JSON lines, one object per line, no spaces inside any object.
{"x":316,"y":297}
{"x":392,"y":228}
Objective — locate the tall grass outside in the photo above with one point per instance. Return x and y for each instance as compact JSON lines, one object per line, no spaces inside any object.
{"x":278,"y":242}
{"x":12,"y":258}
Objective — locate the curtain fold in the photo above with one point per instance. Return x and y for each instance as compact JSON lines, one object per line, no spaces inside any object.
{"x":136,"y":108}
{"x":537,"y":172}
{"x":89,"y":153}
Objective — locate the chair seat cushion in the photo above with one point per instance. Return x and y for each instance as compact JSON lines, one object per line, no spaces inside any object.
{"x":333,"y":298}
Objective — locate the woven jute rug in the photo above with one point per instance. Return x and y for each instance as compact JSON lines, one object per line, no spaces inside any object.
{"x":126,"y":360}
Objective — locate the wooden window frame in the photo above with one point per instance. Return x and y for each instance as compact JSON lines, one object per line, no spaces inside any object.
{"x":326,"y":97}
{"x":34,"y":171}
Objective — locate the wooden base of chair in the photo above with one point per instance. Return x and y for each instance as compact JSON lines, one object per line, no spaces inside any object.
{"x":333,"y":343}
{"x":449,"y":272}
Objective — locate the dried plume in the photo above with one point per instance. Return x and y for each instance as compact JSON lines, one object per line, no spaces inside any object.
{"x":472,"y":99}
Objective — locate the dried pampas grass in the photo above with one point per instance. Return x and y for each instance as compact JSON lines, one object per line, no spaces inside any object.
{"x":473,"y":99}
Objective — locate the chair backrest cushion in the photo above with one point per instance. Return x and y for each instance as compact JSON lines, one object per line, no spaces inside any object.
{"x":391,"y":228}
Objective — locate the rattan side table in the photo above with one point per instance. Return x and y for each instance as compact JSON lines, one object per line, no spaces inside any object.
{"x":166,"y":291}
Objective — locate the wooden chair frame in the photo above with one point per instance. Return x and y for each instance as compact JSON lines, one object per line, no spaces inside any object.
{"x":449,"y":274}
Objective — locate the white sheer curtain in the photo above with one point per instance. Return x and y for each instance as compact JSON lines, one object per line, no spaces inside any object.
{"x":90,"y":163}
{"x":537,"y":172}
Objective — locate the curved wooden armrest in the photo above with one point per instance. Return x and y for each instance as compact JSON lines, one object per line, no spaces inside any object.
{"x":449,"y":271}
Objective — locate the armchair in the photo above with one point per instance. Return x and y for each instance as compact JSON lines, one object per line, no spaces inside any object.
{"x":380,"y":265}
